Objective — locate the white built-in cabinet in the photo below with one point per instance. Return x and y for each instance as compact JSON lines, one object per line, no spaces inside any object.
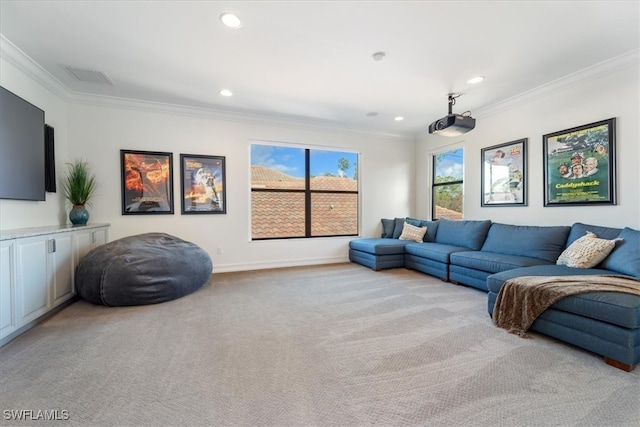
{"x":8,"y":319}
{"x":37,"y":267}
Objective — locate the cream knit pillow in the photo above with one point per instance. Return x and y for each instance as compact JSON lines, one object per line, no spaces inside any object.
{"x":411,"y":232}
{"x":587,"y":251}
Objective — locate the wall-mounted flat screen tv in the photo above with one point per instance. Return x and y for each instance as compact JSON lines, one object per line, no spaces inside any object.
{"x":22,"y":164}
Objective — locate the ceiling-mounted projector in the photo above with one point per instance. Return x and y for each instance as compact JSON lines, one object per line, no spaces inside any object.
{"x":452,"y":124}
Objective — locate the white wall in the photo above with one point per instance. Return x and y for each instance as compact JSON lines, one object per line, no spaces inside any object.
{"x":96,"y":129}
{"x":99,"y":132}
{"x":598,"y":96}
{"x":394,"y":174}
{"x":13,"y":76}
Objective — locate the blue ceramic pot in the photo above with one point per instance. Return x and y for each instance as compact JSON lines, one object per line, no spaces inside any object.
{"x":79,"y":215}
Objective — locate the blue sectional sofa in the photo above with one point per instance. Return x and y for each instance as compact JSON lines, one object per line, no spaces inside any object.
{"x":484,"y":255}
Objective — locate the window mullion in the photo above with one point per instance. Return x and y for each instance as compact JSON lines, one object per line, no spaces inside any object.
{"x":307,"y":194}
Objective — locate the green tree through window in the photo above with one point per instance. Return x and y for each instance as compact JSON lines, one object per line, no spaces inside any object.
{"x":447,"y":188}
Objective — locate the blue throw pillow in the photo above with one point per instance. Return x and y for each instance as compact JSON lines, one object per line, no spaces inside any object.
{"x":432,"y":226}
{"x":625,"y":258}
{"x":397,"y":228}
{"x":579,"y":229}
{"x":387,"y":227}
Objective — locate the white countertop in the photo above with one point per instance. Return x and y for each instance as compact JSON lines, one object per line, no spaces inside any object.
{"x":20,"y":233}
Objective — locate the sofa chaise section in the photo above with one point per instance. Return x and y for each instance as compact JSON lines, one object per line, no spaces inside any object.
{"x":378,"y":253}
{"x":388,"y":251}
{"x":605,"y":323}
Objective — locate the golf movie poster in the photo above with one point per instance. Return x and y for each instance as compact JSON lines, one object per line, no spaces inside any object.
{"x":580,"y":165}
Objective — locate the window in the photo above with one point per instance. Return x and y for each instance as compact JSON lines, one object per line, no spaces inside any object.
{"x":447,"y":184}
{"x":301,"y":192}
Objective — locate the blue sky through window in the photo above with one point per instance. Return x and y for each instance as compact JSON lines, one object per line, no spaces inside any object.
{"x":290,"y":160}
{"x":450,"y":164}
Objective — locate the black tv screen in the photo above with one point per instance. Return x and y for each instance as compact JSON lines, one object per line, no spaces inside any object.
{"x":21,"y":148}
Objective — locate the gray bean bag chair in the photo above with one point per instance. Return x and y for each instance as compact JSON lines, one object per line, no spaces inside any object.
{"x":144,"y":269}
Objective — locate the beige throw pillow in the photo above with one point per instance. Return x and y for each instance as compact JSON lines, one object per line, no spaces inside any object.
{"x":411,"y":232}
{"x":587,"y":251}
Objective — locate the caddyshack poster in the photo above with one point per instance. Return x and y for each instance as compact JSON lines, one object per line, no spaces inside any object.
{"x":580,"y":165}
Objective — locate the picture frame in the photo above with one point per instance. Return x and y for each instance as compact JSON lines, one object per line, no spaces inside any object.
{"x":147,"y":182}
{"x":504,"y":174}
{"x":580,"y":165}
{"x":203,"y":185}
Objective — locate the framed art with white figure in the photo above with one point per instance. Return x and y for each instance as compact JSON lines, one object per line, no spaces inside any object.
{"x":203,"y":184}
{"x":504,"y":174}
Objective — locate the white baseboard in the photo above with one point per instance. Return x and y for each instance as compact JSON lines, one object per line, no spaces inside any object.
{"x":228,"y":268}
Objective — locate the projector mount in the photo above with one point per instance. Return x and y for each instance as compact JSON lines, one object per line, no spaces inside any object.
{"x":453,"y":124}
{"x":452,"y":102}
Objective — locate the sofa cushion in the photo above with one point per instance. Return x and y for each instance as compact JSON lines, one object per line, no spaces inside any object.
{"x":397,"y":227}
{"x":376,"y":262}
{"x":432,"y":227}
{"x":586,"y":252}
{"x":579,"y":229}
{"x":379,"y":246}
{"x":613,"y":307}
{"x":412,"y":233}
{"x":527,"y":240}
{"x":495,"y":281}
{"x":435,"y":251}
{"x":466,"y":233}
{"x":491,"y":262}
{"x":625,"y":258}
{"x":387,"y":227}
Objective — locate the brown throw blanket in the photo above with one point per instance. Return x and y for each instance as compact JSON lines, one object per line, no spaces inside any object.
{"x":522,"y":299}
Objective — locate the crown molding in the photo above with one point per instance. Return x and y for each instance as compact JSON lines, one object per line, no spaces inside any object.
{"x":244,"y":116}
{"x":15,"y":56}
{"x":18,"y":58}
{"x":23,"y":62}
{"x":631,"y":58}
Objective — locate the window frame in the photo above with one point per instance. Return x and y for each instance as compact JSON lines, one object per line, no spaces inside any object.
{"x":308,"y":192}
{"x":435,"y":185}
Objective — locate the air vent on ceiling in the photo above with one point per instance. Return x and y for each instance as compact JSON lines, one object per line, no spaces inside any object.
{"x":91,"y":76}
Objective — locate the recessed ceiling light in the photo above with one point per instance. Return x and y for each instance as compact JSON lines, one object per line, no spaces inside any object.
{"x":372,"y":114}
{"x":230,"y":20}
{"x":378,"y":56}
{"x":399,"y":119}
{"x":475,"y":80}
{"x":226,"y":92}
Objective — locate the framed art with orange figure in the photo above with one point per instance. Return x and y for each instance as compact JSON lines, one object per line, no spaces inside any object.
{"x":147,"y":182}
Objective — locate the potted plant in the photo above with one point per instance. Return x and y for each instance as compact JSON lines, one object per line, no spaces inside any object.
{"x":78,"y":186}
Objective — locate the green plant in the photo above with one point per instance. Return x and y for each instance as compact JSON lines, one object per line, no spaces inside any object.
{"x":78,"y":185}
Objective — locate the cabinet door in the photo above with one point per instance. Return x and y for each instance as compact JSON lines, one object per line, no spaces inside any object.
{"x":100,"y":236}
{"x":83,"y":243}
{"x":89,"y":239}
{"x":33,"y":278}
{"x":8,"y":318}
{"x":61,"y":267}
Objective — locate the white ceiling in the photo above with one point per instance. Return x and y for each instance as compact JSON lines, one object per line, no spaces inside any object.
{"x":312,"y":59}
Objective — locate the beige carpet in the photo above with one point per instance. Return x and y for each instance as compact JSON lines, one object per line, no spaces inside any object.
{"x":336,"y":345}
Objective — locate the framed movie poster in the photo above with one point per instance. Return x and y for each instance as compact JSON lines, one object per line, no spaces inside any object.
{"x":504,"y":174}
{"x":579,"y":165}
{"x":203,"y":184}
{"x":147,"y":182}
